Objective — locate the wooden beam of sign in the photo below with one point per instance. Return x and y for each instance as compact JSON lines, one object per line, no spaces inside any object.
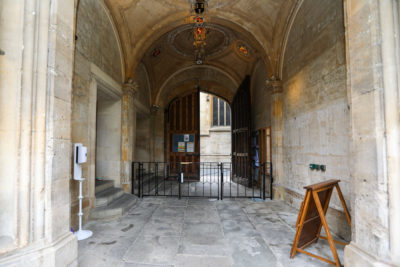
{"x":311,"y":219}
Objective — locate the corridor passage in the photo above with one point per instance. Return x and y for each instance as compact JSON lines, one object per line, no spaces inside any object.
{"x":198,"y":232}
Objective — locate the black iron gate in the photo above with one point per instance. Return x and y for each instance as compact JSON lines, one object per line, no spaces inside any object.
{"x":216,"y":180}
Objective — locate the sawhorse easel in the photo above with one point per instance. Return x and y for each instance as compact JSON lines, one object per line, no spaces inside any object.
{"x":311,"y":218}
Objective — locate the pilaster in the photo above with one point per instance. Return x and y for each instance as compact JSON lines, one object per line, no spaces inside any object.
{"x":35,"y":146}
{"x":155,"y":120}
{"x":372,"y":42}
{"x":276,"y":88}
{"x":129,"y":90}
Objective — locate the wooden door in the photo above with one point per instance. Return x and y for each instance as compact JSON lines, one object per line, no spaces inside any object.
{"x":183,"y":135}
{"x":264,"y":143}
{"x":241,"y":135}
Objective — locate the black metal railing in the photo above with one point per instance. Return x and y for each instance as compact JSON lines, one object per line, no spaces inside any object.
{"x":199,"y":179}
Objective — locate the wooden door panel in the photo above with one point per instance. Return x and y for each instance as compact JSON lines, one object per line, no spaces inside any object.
{"x":183,"y":118}
{"x":241,"y":135}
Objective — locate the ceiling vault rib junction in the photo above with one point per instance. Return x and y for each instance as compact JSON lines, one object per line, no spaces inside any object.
{"x":239,"y":34}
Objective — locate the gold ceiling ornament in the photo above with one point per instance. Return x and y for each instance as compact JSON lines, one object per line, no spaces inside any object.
{"x":199,"y":9}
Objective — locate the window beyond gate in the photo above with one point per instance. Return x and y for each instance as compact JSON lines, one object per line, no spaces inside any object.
{"x":221,"y":112}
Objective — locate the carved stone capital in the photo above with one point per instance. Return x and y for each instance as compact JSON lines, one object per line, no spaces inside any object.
{"x":274,"y":84}
{"x":154,"y":109}
{"x":130,"y":88}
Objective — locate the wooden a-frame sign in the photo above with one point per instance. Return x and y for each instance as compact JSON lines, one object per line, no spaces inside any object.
{"x":311,"y":218}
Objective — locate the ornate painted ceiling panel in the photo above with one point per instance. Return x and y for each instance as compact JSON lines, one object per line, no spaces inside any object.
{"x":160,"y":35}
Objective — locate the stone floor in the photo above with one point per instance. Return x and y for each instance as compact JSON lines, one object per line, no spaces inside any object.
{"x":199,"y":232}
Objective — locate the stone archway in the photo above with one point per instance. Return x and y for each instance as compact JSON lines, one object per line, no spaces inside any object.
{"x":37,"y":126}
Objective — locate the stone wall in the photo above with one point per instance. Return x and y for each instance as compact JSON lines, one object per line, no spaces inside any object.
{"x":37,"y":47}
{"x":316,"y":122}
{"x":373,"y":76}
{"x":215,"y":142}
{"x":108,"y":140}
{"x":260,"y":98}
{"x":143,"y":138}
{"x":157,"y":132}
{"x":216,"y":146}
{"x":96,"y":48}
{"x":142,"y":80}
{"x":144,"y":142}
{"x":96,"y":40}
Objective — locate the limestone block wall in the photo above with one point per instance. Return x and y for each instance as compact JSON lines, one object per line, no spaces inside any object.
{"x":157,"y":128}
{"x":373,"y":74}
{"x":143,"y":138}
{"x":145,"y":142}
{"x":96,"y":49}
{"x":260,"y":97}
{"x":108,"y":140}
{"x":36,"y":39}
{"x":205,"y":113}
{"x":96,"y":39}
{"x":316,"y":118}
{"x":143,"y":95}
{"x":216,"y":145}
{"x":215,"y":142}
{"x":149,"y":142}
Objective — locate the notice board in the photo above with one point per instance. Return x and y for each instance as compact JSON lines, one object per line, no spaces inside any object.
{"x":184,"y":143}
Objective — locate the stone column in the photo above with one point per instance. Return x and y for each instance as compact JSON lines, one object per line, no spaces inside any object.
{"x":130,"y":90}
{"x":276,"y":135}
{"x":35,"y":138}
{"x":373,"y":81}
{"x":154,"y":121}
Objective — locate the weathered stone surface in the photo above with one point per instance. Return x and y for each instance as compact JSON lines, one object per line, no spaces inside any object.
{"x":35,"y":92}
{"x":96,"y":44}
{"x":215,"y":141}
{"x":374,"y":114}
{"x":97,"y":40}
{"x":171,"y":232}
{"x":316,"y":118}
{"x":316,"y":115}
{"x":261,"y":98}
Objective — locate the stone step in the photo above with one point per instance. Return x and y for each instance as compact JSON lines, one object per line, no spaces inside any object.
{"x":103,"y":185}
{"x":115,"y":209}
{"x":105,"y":197}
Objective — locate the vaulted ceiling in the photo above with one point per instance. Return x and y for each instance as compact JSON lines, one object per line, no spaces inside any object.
{"x":159,"y":34}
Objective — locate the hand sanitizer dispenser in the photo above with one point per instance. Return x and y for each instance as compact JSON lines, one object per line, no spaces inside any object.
{"x":80,"y":157}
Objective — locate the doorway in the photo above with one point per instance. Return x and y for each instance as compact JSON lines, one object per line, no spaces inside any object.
{"x":215,"y":129}
{"x":108,"y":137}
{"x":182,"y":134}
{"x":198,"y":150}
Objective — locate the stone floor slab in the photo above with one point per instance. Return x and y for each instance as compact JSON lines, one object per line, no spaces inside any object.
{"x":203,"y":261}
{"x":167,"y":226}
{"x":153,"y":250}
{"x":198,"y":232}
{"x":91,"y":260}
{"x":252,"y":251}
{"x":202,"y":201}
{"x":204,"y":213}
{"x":202,"y":231}
{"x":165,"y":211}
{"x":173,"y":202}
